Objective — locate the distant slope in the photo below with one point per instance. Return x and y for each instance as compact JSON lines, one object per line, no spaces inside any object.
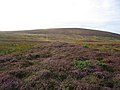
{"x":69,"y":35}
{"x":68,"y":31}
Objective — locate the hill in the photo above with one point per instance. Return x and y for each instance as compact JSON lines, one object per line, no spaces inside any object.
{"x":59,"y":34}
{"x":77,"y":31}
{"x":59,"y":59}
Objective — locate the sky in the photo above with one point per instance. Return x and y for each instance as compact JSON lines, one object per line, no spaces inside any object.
{"x":41,"y":14}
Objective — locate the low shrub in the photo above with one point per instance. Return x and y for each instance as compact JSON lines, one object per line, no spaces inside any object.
{"x":99,"y":58}
{"x":102,"y":64}
{"x":51,"y":85}
{"x":81,"y":64}
{"x":117,"y":84}
{"x":68,"y":87}
{"x":107,"y":83}
{"x":44,"y":74}
{"x":20,"y":74}
{"x":91,"y":79}
{"x":60,"y":76}
{"x":27,"y":63}
{"x":116,"y":80}
{"x":105,"y":66}
{"x":36,"y":55}
{"x":85,"y":46}
{"x":8,"y":82}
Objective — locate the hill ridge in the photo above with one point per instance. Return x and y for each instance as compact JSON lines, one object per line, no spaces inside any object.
{"x":77,"y":31}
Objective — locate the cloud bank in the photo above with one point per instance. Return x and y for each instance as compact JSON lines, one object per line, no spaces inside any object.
{"x":32,"y":14}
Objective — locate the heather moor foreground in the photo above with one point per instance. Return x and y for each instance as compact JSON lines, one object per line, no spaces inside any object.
{"x":59,"y":59}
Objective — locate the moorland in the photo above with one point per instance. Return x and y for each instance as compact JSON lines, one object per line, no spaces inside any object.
{"x":59,"y":59}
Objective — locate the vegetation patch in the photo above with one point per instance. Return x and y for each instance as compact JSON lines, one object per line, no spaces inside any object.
{"x":68,"y":87}
{"x":82,"y":64}
{"x":41,"y":60}
{"x":116,"y":83}
{"x":85,"y":46}
{"x":20,"y":74}
{"x":14,"y":47}
{"x":37,"y":55}
{"x":27,"y":63}
{"x":60,"y":76}
{"x":100,"y":58}
{"x":91,"y":79}
{"x":105,"y":66}
{"x":107,"y":83}
{"x":44,"y":74}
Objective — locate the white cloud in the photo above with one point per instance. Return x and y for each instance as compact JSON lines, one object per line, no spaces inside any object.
{"x":30,"y":14}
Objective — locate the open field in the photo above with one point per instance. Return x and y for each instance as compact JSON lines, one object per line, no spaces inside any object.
{"x":59,"y":59}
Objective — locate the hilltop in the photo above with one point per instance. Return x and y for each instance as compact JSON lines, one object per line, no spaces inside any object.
{"x":77,"y":31}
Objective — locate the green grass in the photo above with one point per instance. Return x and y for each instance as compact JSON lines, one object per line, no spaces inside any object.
{"x":81,"y":64}
{"x":15,"y":47}
{"x":102,"y":46}
{"x":85,"y":46}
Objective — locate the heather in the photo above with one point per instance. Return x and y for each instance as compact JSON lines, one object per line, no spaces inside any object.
{"x":63,"y":61}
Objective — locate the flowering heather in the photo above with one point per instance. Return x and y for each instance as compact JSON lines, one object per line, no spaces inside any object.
{"x":59,"y":60}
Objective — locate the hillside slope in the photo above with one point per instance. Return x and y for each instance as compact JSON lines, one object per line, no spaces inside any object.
{"x":76,"y":31}
{"x":59,"y":59}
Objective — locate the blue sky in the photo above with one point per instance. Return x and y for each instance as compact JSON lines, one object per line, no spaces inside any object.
{"x":35,"y":14}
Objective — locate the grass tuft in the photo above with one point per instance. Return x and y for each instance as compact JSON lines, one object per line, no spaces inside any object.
{"x":81,"y":64}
